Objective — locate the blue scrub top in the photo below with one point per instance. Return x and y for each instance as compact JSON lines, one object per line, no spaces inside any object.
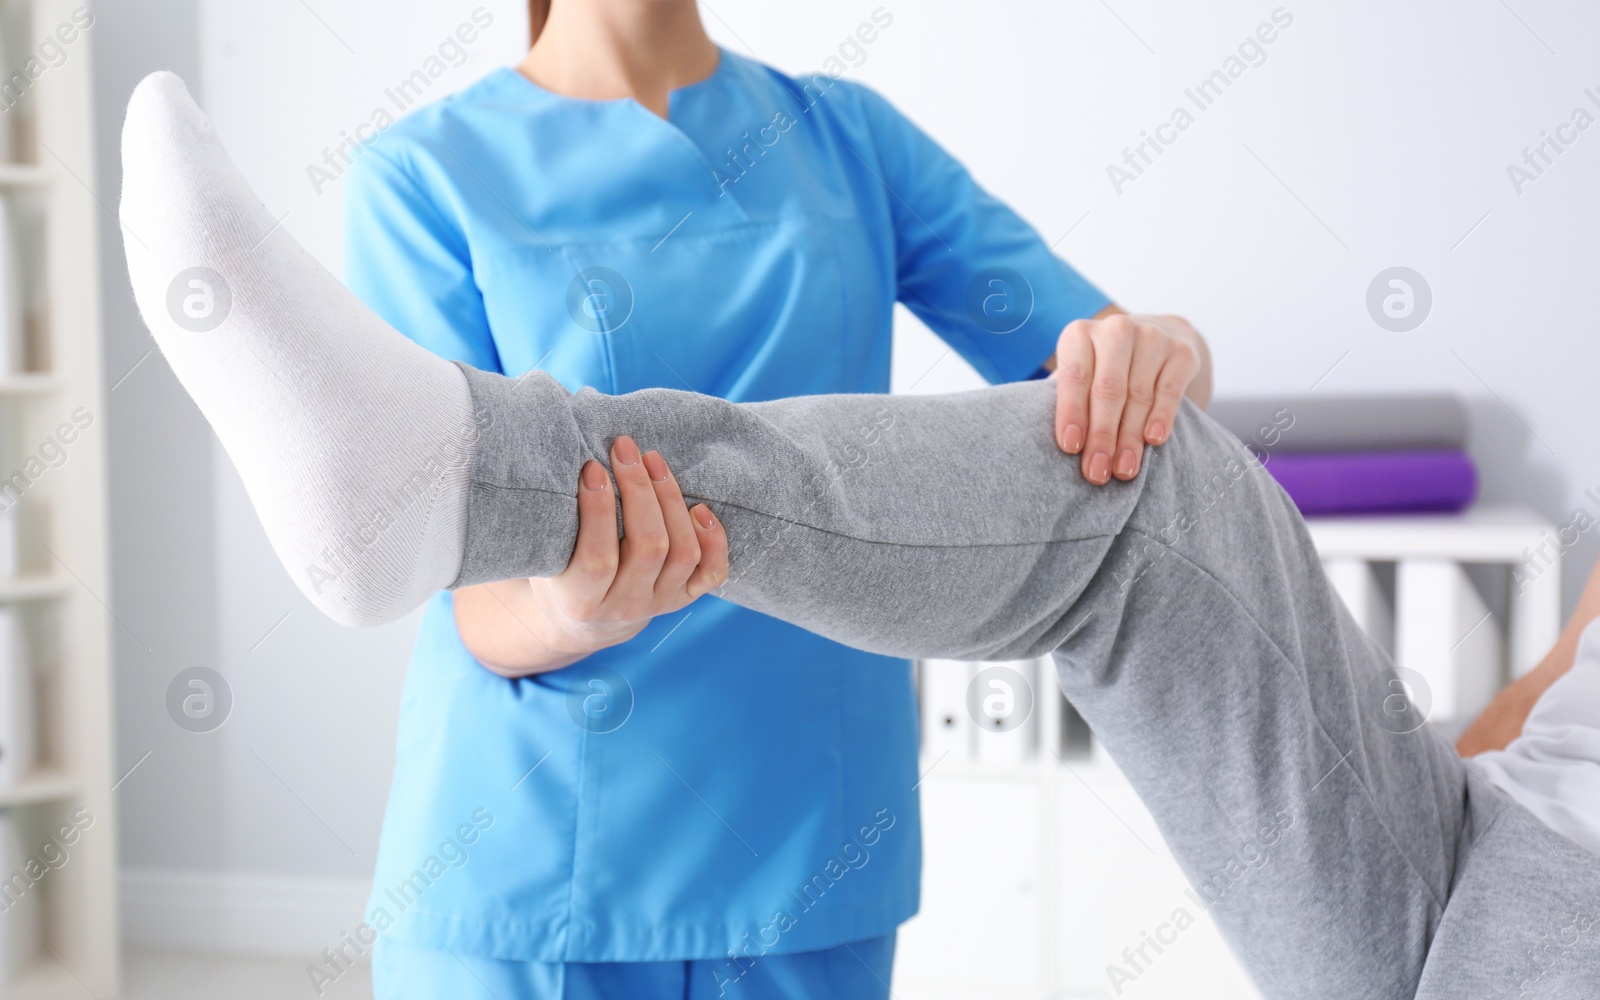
{"x":724,"y":781}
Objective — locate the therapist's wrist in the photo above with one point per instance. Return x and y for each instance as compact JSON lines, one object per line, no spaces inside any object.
{"x":569,"y":638}
{"x":510,"y":629}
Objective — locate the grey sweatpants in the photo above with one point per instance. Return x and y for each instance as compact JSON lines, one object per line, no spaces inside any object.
{"x":1342,"y":847}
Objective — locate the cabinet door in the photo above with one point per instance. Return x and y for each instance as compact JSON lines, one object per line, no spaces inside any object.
{"x":979,"y":935}
{"x":1447,"y":645}
{"x":946,"y":725}
{"x":1006,"y":698}
{"x":1117,"y":891}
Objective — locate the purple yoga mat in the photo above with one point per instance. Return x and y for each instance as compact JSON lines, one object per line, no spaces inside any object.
{"x":1376,"y":482}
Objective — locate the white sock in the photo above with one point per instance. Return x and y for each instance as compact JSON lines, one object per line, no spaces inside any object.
{"x":354,"y":443}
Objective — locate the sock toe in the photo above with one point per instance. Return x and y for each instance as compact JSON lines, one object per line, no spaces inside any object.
{"x":182,"y":197}
{"x":163,"y":97}
{"x":161,"y":124}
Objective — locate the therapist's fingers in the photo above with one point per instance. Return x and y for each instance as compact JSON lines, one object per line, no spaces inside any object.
{"x":1074,"y":369}
{"x":582,"y":586}
{"x":713,"y":569}
{"x":1113,"y":339}
{"x":1149,"y":353}
{"x":683,"y":547}
{"x":1181,"y":367}
{"x":644,"y":533}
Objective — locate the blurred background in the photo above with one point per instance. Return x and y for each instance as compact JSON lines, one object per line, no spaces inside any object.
{"x":1369,"y":136}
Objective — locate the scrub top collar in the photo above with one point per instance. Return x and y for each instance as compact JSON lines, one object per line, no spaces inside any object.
{"x":513,"y":82}
{"x":683,"y":157}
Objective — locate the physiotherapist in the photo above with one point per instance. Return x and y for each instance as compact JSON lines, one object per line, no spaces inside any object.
{"x":603,"y":787}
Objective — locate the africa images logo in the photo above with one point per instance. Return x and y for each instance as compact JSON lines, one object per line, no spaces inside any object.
{"x":1399,"y":299}
{"x":599,"y":300}
{"x":199,"y":299}
{"x":199,"y":700}
{"x":600,"y":701}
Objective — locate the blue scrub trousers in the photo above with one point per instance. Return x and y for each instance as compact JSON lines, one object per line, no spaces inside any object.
{"x":856,"y":971}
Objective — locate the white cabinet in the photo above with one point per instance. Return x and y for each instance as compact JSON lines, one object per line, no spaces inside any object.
{"x":1039,"y":880}
{"x":982,"y":930}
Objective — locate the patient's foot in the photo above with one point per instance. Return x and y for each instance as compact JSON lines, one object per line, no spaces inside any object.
{"x":354,"y":443}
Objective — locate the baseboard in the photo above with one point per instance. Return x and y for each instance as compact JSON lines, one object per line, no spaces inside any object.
{"x":239,"y":914}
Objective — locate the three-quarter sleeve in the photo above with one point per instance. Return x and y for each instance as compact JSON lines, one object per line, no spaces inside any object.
{"x":411,"y":265}
{"x":966,"y":264}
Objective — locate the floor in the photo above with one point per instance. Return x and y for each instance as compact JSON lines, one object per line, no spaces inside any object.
{"x":168,"y":975}
{"x":163,"y":975}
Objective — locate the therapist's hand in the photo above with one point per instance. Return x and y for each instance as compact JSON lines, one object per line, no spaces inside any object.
{"x":668,"y":556}
{"x":1119,"y":379}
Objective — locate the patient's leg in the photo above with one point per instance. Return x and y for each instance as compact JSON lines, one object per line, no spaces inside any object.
{"x":1192,"y":625}
{"x":1341,"y":845}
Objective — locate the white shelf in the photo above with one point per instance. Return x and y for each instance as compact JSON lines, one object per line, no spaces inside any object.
{"x":16,"y":175}
{"x":34,"y":588}
{"x":29,"y":384}
{"x":44,"y":785}
{"x":1481,"y":534}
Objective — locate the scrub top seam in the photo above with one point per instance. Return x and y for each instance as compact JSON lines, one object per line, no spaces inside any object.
{"x":608,"y":349}
{"x":722,"y":235}
{"x":577,"y":822}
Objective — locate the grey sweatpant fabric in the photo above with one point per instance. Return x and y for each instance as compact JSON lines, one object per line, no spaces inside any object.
{"x":1342,"y":847}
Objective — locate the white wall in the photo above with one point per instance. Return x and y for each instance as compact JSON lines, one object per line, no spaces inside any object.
{"x":164,"y":579}
{"x":316,"y":701}
{"x":1373,"y":135}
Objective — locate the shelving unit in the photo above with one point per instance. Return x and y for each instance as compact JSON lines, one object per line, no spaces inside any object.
{"x":64,"y":583}
{"x":1498,"y":536}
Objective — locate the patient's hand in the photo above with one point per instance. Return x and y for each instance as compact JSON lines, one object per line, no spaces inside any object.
{"x":1503,"y":720}
{"x":1119,"y":381}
